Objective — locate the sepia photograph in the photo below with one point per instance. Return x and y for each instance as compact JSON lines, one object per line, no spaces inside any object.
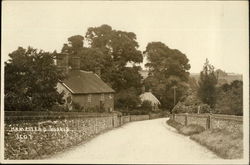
{"x":125,"y":82}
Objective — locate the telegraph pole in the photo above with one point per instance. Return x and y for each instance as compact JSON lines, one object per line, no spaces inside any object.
{"x":174,"y":94}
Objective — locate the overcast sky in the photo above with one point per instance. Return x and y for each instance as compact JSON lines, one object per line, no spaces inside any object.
{"x":215,"y":30}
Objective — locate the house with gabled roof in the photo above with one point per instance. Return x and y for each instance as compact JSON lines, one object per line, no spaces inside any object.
{"x":85,"y":88}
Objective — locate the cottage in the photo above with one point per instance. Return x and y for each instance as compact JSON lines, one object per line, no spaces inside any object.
{"x":85,"y":88}
{"x":151,"y":98}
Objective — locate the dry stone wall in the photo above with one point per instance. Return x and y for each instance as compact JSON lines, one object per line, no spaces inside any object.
{"x":230,"y":123}
{"x":233,"y":124}
{"x":139,"y":117}
{"x":33,"y":135}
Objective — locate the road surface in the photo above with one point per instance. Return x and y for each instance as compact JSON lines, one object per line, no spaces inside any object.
{"x":148,"y":141}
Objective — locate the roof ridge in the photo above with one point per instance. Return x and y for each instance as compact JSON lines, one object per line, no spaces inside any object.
{"x":86,"y":71}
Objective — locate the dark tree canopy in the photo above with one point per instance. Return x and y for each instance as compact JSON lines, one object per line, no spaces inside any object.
{"x":75,"y":44}
{"x":207,"y":85}
{"x":30,"y":81}
{"x":110,"y":51}
{"x":230,"y":99}
{"x":167,"y":68}
{"x":121,"y":46}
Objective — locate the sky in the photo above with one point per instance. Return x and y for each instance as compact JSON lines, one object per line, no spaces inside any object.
{"x":217,"y":30}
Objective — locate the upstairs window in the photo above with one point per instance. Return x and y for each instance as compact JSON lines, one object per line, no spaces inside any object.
{"x":89,"y":98}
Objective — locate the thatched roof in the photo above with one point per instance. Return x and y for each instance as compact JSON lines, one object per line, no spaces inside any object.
{"x":150,"y":97}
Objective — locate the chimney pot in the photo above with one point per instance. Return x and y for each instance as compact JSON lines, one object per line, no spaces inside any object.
{"x":62,"y":60}
{"x":75,"y":63}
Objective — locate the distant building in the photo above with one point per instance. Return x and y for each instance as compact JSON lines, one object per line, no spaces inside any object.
{"x":83,"y":87}
{"x":151,"y":98}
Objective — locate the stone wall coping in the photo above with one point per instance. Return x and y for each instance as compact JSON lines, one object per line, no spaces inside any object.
{"x":215,"y":116}
{"x":228,"y":117}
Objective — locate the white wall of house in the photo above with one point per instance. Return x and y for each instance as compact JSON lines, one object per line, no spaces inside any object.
{"x":67,"y":93}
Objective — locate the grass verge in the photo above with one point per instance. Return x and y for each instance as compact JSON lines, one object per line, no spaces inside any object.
{"x":186,"y":130}
{"x":225,"y":144}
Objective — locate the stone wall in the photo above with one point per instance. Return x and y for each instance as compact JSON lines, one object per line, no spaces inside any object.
{"x":139,"y":117}
{"x":30,"y":139}
{"x":180,"y":118}
{"x":230,"y":123}
{"x":233,"y":124}
{"x":36,"y":135}
{"x":197,"y":119}
{"x":125,"y":119}
{"x":154,"y":116}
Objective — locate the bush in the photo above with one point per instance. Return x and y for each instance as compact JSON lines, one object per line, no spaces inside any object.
{"x":59,"y":108}
{"x":186,"y":130}
{"x":127,"y":99}
{"x":146,"y":105}
{"x":191,"y":129}
{"x":175,"y":124}
{"x":77,"y":107}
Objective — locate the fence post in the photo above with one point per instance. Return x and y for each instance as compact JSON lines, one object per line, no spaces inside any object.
{"x":209,"y":121}
{"x":173,"y":116}
{"x":186,"y":119}
{"x":113,"y":121}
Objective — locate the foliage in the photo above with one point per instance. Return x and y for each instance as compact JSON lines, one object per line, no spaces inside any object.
{"x":193,"y":85}
{"x":30,"y":81}
{"x":225,"y":144}
{"x":191,"y":129}
{"x":175,"y":124}
{"x":77,"y":107}
{"x":127,"y":99}
{"x":168,"y":68}
{"x":120,"y":45}
{"x":146,"y":106}
{"x":118,"y":49}
{"x":190,"y":104}
{"x":75,"y":44}
{"x":230,"y":99}
{"x":110,"y":51}
{"x":59,"y":108}
{"x":207,"y":85}
{"x":220,"y":73}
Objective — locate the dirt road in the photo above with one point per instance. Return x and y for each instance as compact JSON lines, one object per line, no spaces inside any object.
{"x":149,"y":141}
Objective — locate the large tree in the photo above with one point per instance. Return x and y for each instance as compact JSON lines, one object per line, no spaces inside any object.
{"x":110,"y":51}
{"x":207,"y":85}
{"x":30,"y":81}
{"x":168,"y":71}
{"x":230,"y":98}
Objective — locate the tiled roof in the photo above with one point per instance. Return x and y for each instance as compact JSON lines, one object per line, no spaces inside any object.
{"x":82,"y":82}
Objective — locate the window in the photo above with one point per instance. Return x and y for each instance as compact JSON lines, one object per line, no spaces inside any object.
{"x":89,"y":98}
{"x":102,"y":97}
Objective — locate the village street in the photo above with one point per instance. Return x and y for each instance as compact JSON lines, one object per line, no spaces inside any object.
{"x":149,"y":141}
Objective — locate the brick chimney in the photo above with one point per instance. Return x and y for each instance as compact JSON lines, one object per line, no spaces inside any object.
{"x":62,"y":62}
{"x":75,"y":63}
